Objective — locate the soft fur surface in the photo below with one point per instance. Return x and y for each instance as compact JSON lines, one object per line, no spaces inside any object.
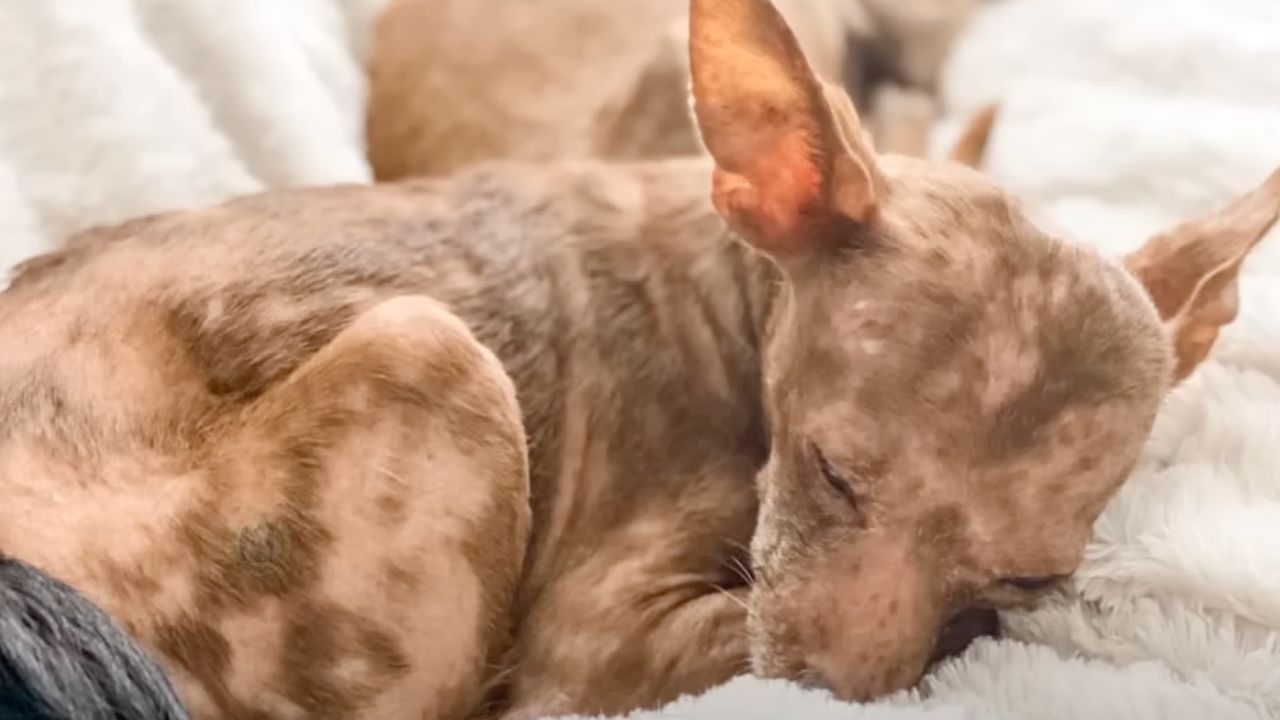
{"x":1119,"y":118}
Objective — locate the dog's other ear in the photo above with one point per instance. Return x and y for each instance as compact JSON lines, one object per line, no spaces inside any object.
{"x":787,"y":162}
{"x":1191,"y":271}
{"x":972,"y":143}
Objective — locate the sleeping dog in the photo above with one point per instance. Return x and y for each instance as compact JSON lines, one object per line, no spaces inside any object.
{"x":542,"y":439}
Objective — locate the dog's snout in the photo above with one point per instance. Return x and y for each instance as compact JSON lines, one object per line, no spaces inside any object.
{"x":864,"y":675}
{"x":859,"y":675}
{"x":860,"y":680}
{"x":963,"y":629}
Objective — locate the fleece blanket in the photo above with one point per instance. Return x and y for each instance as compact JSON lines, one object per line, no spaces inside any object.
{"x":111,"y":109}
{"x":1118,"y":119}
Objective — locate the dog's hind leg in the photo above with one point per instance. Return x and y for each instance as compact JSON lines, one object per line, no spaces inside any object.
{"x":362,"y":545}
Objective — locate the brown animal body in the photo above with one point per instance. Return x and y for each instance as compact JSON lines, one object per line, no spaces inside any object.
{"x":308,"y":492}
{"x":499,"y":443}
{"x":454,"y":82}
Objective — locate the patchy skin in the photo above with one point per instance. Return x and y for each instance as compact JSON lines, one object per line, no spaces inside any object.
{"x":497,"y":445}
{"x":952,"y":395}
{"x":251,"y":554}
{"x":307,"y":492}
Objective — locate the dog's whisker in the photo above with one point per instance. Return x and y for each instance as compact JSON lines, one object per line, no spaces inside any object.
{"x":739,"y":574}
{"x":729,"y":594}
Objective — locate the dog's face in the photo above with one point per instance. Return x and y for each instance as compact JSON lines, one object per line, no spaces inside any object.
{"x":953,"y":395}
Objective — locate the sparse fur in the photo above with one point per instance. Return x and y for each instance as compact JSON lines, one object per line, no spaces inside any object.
{"x":498,"y":443}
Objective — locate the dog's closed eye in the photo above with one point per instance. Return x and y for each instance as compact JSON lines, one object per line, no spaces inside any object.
{"x":1033,"y":583}
{"x":835,"y":478}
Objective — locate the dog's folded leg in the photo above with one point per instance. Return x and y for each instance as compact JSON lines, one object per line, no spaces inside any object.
{"x":609,"y":637}
{"x":366,"y":532}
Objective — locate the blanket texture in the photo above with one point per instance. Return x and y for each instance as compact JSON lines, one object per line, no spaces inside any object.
{"x":116,"y":108}
{"x":1119,"y":118}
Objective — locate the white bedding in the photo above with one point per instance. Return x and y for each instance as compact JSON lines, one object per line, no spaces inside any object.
{"x":115,"y":108}
{"x":1120,"y":117}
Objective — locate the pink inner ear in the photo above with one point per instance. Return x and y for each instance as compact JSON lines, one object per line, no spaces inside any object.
{"x":773,"y":192}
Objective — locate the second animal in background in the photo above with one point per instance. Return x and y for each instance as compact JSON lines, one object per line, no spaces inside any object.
{"x":455,"y":82}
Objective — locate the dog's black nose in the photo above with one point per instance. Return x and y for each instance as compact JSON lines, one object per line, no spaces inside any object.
{"x":963,"y":629}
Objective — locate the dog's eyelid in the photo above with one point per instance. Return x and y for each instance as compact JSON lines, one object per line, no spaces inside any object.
{"x":1032,"y":583}
{"x":839,"y":481}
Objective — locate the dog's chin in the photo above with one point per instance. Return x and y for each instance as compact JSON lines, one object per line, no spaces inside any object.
{"x":767,"y":663}
{"x":774,"y":658}
{"x":773,"y":666}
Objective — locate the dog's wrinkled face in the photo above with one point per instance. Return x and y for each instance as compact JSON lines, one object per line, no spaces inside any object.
{"x":953,"y":395}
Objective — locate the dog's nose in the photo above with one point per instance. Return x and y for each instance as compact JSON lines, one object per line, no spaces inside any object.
{"x":849,"y":676}
{"x":859,"y":683}
{"x":963,"y":629}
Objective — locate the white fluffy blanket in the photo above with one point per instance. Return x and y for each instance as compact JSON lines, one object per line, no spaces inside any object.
{"x":1119,"y":118}
{"x":115,"y":108}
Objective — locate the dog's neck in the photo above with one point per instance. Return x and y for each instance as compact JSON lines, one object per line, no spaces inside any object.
{"x":759,"y":283}
{"x":657,"y":385}
{"x":696,"y":319}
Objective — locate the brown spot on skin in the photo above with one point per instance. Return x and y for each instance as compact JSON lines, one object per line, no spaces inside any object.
{"x":401,"y":582}
{"x":319,"y":631}
{"x":198,"y":647}
{"x":939,"y":258}
{"x":945,"y":527}
{"x":1077,"y":369}
{"x":391,"y":508}
{"x":267,"y":559}
{"x":383,"y":650}
{"x":275,"y":557}
{"x":204,"y":653}
{"x":1058,"y":489}
{"x":232,"y":352}
{"x":128,"y":582}
{"x":260,"y":559}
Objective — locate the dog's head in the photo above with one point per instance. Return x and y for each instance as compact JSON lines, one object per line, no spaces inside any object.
{"x":953,"y":394}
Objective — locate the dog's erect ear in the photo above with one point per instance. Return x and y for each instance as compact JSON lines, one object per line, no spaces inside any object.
{"x":1191,"y":271}
{"x":787,"y":162}
{"x":971,"y":146}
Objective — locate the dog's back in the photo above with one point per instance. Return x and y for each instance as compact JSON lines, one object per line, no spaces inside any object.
{"x":150,"y":350}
